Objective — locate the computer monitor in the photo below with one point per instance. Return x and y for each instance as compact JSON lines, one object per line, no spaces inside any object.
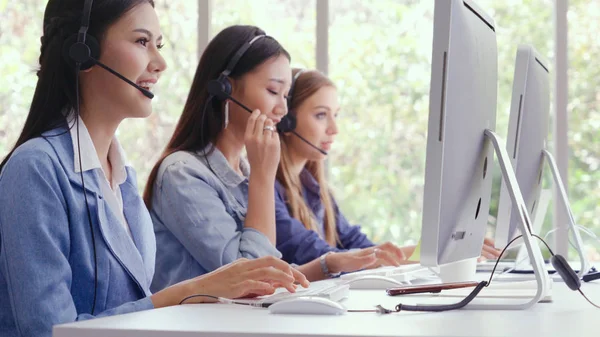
{"x":526,"y":140}
{"x":527,"y":147}
{"x":459,"y":161}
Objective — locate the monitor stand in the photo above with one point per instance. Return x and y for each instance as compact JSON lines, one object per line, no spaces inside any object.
{"x":459,"y":271}
{"x":585,"y":266}
{"x":535,"y":255}
{"x":522,"y":259}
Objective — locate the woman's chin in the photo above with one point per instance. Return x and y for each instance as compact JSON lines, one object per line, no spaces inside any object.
{"x":318,"y":156}
{"x":143,"y":110}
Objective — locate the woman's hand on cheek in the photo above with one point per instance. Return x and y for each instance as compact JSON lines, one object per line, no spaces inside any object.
{"x":262,"y":145}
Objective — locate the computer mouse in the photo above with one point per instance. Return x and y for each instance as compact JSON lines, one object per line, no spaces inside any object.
{"x":307,"y":305}
{"x":374,"y":282}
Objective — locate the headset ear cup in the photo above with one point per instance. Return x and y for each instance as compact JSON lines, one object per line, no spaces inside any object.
{"x":70,"y":41}
{"x":94,"y":46}
{"x":215,"y":88}
{"x":220,"y":88}
{"x":287,"y":124}
{"x":74,"y":51}
{"x":226,"y":85}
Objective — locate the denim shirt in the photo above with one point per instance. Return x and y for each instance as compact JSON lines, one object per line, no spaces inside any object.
{"x":198,"y":213}
{"x":300,"y":245}
{"x":46,"y":248}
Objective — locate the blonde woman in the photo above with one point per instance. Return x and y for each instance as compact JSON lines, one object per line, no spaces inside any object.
{"x":309,"y":222}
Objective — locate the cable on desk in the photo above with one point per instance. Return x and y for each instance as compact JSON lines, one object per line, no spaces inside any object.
{"x":562,"y":270}
{"x":587,"y":299}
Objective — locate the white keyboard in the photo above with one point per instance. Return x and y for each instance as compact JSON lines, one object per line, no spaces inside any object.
{"x":325,"y":289}
{"x":399,"y":273}
{"x":488,"y":266}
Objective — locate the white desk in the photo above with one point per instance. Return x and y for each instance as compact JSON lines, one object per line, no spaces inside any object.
{"x":568,"y":315}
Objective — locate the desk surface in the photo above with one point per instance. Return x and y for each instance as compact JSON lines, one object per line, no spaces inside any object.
{"x":568,"y":315}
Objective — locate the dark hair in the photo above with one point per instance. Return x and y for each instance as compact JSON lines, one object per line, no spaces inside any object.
{"x":55,"y":89}
{"x":199,"y":127}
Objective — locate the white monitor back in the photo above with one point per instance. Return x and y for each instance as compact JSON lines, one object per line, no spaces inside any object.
{"x":526,"y":139}
{"x":462,"y":104}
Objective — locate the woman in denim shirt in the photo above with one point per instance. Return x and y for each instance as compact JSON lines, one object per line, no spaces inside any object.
{"x":211,"y":206}
{"x":309,"y":222}
{"x":76,"y":240}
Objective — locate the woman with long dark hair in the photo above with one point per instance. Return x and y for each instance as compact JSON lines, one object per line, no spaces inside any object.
{"x":76,"y":239}
{"x":209,"y":204}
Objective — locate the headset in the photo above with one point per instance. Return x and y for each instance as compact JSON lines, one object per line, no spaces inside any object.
{"x":221,"y":89}
{"x":81,"y":52}
{"x":288,"y":122}
{"x":78,"y":51}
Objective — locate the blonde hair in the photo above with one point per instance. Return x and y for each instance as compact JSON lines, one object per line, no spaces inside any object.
{"x":307,"y":83}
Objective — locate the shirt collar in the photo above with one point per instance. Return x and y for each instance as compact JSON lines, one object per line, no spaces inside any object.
{"x":309,"y":182}
{"x":89,"y":157}
{"x":221,"y":168}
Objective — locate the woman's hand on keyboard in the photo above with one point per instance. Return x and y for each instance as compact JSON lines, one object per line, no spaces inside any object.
{"x":389,"y":254}
{"x":351,"y":260}
{"x":245,"y":278}
{"x":489,"y":251}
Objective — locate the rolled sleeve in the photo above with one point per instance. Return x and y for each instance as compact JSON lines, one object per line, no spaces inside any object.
{"x":194,"y":212}
{"x":254,"y":243}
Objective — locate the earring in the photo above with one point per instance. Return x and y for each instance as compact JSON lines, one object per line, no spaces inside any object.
{"x":226,"y":114}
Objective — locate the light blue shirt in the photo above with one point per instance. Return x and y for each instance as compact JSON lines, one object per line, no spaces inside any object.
{"x":198,"y":214}
{"x":46,"y":250}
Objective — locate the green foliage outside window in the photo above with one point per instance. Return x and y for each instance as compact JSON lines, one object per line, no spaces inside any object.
{"x":380,"y":55}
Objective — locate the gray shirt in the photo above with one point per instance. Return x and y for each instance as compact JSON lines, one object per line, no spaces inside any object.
{"x":198,"y":211}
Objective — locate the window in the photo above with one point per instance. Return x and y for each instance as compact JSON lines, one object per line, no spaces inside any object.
{"x":380,"y":58}
{"x":294,"y":26}
{"x":380,"y":54}
{"x":584,"y":119}
{"x":143,"y":139}
{"x":21,"y":26}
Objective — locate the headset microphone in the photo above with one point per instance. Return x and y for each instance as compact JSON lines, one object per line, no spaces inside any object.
{"x":221,"y":89}
{"x":288,"y":122}
{"x":285,"y":125}
{"x":81,"y":52}
{"x":83,"y":49}
{"x":214,"y":88}
{"x":146,"y":93}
